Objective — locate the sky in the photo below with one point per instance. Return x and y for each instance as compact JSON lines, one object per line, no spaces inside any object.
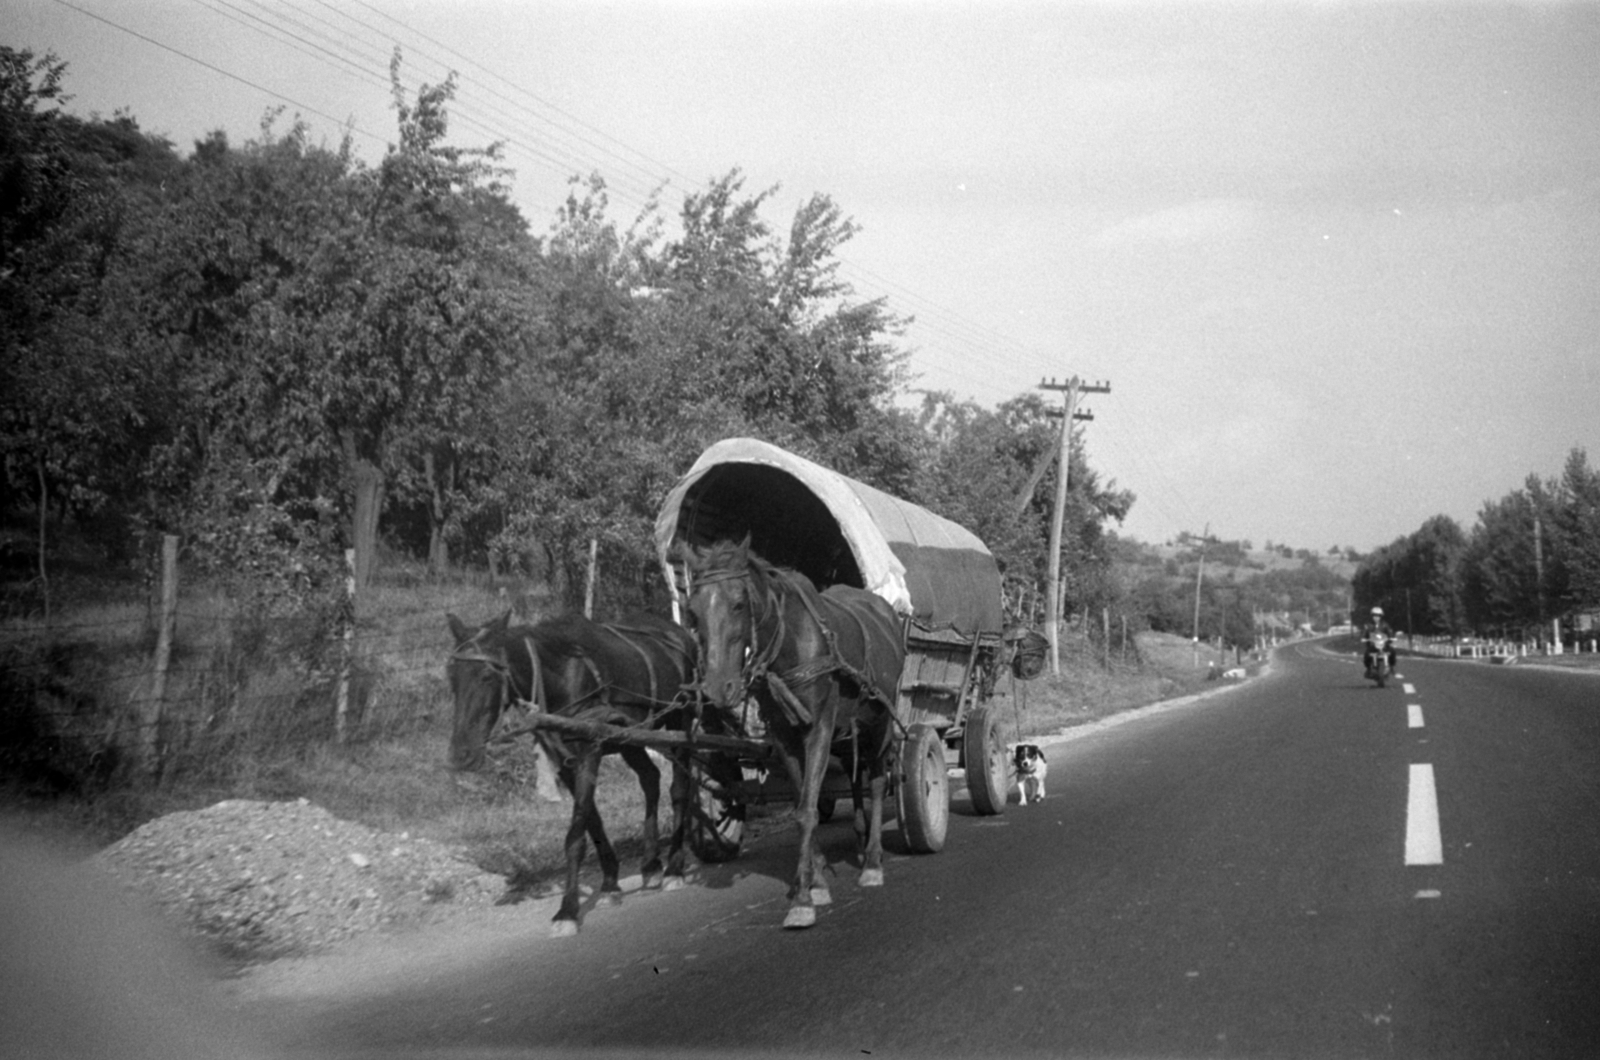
{"x":1339,"y":263}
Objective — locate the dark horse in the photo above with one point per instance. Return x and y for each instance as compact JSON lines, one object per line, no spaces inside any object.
{"x":637,"y":673}
{"x":821,"y":666}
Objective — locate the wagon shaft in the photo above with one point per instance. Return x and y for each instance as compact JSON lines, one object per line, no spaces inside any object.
{"x":656,"y":738}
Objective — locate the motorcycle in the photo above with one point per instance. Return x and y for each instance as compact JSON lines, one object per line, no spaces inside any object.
{"x":1378,"y":670}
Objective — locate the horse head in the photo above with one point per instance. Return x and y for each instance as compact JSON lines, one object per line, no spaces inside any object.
{"x":724,"y":610}
{"x":481,"y":684}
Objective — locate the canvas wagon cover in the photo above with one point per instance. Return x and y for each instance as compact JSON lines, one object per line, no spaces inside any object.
{"x":835,"y":530}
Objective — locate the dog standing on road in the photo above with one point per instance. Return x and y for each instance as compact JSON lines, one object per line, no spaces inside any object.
{"x":1031,"y":771}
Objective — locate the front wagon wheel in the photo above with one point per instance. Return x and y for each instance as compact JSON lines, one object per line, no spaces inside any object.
{"x":716,"y":823}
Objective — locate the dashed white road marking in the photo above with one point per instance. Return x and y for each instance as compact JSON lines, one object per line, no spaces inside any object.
{"x":1413,"y":715}
{"x":1423,"y":843}
{"x":1409,"y":688}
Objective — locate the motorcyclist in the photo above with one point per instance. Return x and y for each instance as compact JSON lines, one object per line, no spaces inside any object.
{"x":1375,"y":625}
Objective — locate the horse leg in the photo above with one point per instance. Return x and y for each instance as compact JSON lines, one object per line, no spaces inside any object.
{"x":858,"y":803}
{"x":872,"y":853}
{"x":610,"y":866}
{"x":579,"y":780}
{"x":811,"y":884}
{"x":878,"y":785}
{"x":682,"y":796}
{"x":650,"y":783}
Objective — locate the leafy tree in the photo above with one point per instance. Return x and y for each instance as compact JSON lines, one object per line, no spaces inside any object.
{"x":425,"y":306}
{"x":1501,"y":584}
{"x":1576,"y":525}
{"x":1416,"y":579}
{"x":653,"y":350}
{"x":338,"y":330}
{"x":992,"y":471}
{"x":70,"y":380}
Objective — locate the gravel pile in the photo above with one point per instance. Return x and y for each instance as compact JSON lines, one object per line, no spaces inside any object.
{"x":262,"y":880}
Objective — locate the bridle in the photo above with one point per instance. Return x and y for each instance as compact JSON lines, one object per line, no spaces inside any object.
{"x":758,"y":658}
{"x":500,"y":666}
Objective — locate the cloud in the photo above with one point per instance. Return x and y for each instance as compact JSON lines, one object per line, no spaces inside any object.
{"x":1202,"y":221}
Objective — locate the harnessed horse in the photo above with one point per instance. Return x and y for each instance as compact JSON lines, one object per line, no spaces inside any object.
{"x":818,"y":665}
{"x":635,"y":674}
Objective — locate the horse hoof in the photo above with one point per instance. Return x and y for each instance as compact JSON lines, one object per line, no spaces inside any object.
{"x":614,"y":898}
{"x":563,"y":929}
{"x":800,"y":916}
{"x":651,"y":882}
{"x":820,"y":896}
{"x":871,"y":878}
{"x":672,"y":883}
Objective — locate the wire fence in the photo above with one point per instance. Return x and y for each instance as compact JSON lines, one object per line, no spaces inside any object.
{"x":95,"y":697}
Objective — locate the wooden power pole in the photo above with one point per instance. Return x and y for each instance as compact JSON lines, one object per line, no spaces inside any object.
{"x":1052,"y":621}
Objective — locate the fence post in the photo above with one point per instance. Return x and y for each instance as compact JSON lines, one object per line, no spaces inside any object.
{"x":153,"y":707}
{"x":589,"y":578}
{"x":341,"y":710}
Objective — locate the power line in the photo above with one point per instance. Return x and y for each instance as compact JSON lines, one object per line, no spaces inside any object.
{"x":218,"y":70}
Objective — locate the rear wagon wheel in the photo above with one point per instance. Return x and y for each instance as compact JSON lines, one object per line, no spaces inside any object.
{"x":924,"y":792}
{"x":988,"y":768}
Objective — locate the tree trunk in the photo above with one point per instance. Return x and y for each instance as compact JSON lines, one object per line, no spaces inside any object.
{"x":366,"y":484}
{"x":44,"y":521}
{"x":439,"y":488}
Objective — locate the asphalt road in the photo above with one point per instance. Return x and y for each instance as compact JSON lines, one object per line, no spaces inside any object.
{"x":1264,"y":873}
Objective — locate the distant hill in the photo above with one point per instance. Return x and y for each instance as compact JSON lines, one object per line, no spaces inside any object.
{"x":1223,"y":557}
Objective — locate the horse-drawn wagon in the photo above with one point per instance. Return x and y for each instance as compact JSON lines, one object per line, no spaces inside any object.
{"x":840,"y":642}
{"x":940,"y":580}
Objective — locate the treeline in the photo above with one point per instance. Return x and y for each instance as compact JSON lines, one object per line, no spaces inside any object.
{"x":1532,"y":559}
{"x":277,"y":351}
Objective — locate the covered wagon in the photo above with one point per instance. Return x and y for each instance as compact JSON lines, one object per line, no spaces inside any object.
{"x":937,"y":575}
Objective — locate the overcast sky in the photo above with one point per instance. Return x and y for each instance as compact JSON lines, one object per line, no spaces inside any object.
{"x":1340,"y":263}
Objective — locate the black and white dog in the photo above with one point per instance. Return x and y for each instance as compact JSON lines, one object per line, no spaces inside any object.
{"x":1031,"y":771}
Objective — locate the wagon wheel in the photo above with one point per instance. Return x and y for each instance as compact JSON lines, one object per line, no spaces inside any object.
{"x":716,"y":821}
{"x":924,"y":791}
{"x":988,"y":770}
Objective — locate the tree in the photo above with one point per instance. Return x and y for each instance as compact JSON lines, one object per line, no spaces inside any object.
{"x":341,"y":329}
{"x":1501,"y":584}
{"x":652,"y":350}
{"x":1576,"y":526}
{"x":424,"y":307}
{"x":981,"y":462}
{"x":72,"y":376}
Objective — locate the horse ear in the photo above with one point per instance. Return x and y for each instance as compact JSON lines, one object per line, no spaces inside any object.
{"x":499,"y":625}
{"x":458,"y":629}
{"x":744,"y":545}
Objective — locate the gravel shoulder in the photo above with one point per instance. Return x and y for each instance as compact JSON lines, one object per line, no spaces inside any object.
{"x":255,"y":880}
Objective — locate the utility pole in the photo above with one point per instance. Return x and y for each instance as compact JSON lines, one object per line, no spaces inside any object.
{"x":1071,"y":389}
{"x":1198,"y":574}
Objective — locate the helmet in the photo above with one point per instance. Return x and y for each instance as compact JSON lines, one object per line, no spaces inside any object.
{"x":1378,"y":611}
